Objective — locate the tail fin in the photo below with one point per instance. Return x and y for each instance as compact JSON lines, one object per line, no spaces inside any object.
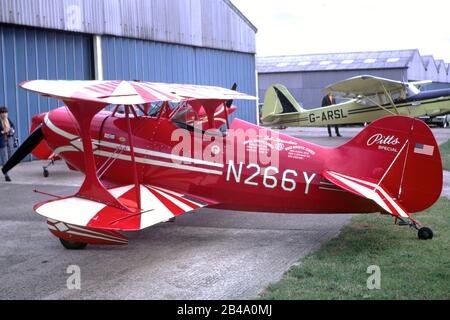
{"x":278,"y":100}
{"x":398,"y":152}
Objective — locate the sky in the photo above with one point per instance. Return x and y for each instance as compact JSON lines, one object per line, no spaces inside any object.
{"x":327,"y":26}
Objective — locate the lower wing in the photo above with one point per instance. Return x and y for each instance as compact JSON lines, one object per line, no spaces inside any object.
{"x":157,"y":205}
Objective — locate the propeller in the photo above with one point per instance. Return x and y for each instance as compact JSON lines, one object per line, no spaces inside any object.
{"x":24,"y":149}
{"x":228,"y":103}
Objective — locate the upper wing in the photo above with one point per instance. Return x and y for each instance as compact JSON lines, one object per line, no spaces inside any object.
{"x":127,"y":92}
{"x":189,"y":91}
{"x":104,"y":92}
{"x":368,"y":189}
{"x":365,"y":86}
{"x":157,"y":205}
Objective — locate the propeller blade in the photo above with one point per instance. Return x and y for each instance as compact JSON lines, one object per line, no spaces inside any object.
{"x":230,"y":102}
{"x":24,"y":149}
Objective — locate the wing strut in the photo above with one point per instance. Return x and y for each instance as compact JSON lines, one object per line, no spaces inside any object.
{"x":135,"y":172}
{"x":388,"y":94}
{"x":91,"y":184}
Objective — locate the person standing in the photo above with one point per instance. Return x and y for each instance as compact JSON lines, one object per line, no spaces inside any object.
{"x":7,"y":131}
{"x":328,"y":100}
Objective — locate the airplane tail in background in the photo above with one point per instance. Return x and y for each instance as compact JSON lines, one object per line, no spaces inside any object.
{"x":278,"y":100}
{"x":395,"y":162}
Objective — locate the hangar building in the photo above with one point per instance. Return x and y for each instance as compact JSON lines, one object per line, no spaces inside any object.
{"x":306,"y":75}
{"x":183,"y":41}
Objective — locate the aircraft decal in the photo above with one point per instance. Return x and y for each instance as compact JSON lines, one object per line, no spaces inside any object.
{"x":424,"y":149}
{"x":271,"y":176}
{"x":381,"y":139}
{"x":299,"y":152}
{"x":327,"y":115}
{"x":384,"y":142}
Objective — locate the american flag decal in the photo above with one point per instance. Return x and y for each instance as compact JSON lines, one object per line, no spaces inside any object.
{"x":424,"y":149}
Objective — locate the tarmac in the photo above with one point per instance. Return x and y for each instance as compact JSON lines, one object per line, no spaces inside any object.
{"x":208,"y":254}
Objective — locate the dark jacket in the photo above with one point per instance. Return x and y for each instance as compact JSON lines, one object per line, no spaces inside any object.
{"x":3,"y":136}
{"x":326,"y":101}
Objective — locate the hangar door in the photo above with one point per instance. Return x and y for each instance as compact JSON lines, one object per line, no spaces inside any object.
{"x":29,"y":53}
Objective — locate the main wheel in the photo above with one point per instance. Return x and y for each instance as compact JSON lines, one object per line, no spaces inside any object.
{"x":45,"y":173}
{"x":425,"y":233}
{"x":72,"y":245}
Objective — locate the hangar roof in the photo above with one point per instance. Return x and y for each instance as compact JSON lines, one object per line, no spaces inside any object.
{"x":214,"y":24}
{"x":427,"y":60}
{"x":336,"y":61}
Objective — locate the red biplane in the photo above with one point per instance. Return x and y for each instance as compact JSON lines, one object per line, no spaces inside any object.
{"x":164,"y":149}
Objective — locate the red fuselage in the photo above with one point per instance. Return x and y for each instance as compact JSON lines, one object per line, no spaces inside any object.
{"x":242,"y":181}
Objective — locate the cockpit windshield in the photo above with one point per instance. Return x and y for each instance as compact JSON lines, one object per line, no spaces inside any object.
{"x":197,"y":115}
{"x":187,"y":114}
{"x":203,"y":115}
{"x":154,"y":109}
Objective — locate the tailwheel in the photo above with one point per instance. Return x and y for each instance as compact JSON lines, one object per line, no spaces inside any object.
{"x":425,"y":233}
{"x":72,"y":245}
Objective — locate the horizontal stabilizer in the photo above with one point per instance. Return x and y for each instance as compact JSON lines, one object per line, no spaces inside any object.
{"x":157,"y":205}
{"x":368,"y":189}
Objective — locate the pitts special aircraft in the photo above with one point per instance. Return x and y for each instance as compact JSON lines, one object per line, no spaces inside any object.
{"x":370,"y":98}
{"x":134,"y":178}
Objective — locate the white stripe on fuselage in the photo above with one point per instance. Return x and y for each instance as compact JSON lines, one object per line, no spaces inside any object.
{"x":158,"y":154}
{"x":57,"y":130}
{"x":156,"y":162}
{"x":72,"y":137}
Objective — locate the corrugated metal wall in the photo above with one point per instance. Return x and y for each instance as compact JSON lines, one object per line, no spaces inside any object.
{"x":28,"y":53}
{"x":130,"y":59}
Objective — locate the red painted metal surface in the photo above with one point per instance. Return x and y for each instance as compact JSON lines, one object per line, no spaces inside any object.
{"x":421,"y":184}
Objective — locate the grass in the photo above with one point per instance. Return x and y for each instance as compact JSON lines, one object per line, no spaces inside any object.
{"x":445,"y":154}
{"x":410,"y":268}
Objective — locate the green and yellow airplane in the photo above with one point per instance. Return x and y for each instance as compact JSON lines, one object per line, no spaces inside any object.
{"x":369,"y":98}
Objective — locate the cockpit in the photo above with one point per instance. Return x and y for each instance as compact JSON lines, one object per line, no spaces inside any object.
{"x":194,"y":115}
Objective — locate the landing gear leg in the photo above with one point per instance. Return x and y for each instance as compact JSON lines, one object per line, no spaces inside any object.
{"x":45,"y":172}
{"x":423,"y":233}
